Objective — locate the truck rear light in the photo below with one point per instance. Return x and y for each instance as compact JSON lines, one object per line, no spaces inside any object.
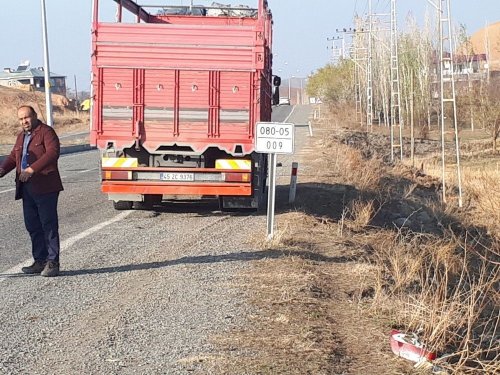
{"x":237,"y":177}
{"x":116,"y":175}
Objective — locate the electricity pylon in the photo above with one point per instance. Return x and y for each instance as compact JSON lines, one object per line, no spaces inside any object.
{"x":448,"y":97}
{"x":395,"y":86}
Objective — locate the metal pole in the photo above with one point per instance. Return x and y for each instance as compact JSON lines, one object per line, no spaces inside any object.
{"x":457,"y":140}
{"x":271,"y":198}
{"x":441,"y":72}
{"x":369,"y":88}
{"x":301,"y":91}
{"x":46,"y":67}
{"x":76,"y":99}
{"x":412,"y":135}
{"x":293,"y":183}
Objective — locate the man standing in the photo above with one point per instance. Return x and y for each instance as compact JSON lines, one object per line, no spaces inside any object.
{"x":38,"y":183}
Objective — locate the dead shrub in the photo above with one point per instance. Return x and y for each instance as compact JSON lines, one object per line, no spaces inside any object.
{"x":363,"y":174}
{"x":484,"y":189}
{"x":361,"y":214}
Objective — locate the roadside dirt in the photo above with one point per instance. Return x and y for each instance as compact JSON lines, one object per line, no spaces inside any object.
{"x":65,"y":120}
{"x":311,"y":294}
{"x":326,"y":297}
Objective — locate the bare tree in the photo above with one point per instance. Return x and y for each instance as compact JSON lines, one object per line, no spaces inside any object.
{"x":487,"y":109}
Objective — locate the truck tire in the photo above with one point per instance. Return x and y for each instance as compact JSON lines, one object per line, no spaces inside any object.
{"x":122,"y":205}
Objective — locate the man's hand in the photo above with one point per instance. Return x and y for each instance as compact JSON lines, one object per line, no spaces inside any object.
{"x":26,"y":174}
{"x":2,"y":172}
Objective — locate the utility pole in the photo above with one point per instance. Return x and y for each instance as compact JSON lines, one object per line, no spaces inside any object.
{"x":369,"y":75}
{"x":487,"y":50}
{"x":46,"y":67}
{"x":357,"y":53}
{"x":395,"y":86}
{"x":338,"y":52}
{"x":412,"y":133}
{"x":448,"y":95}
{"x":357,"y":83}
{"x":77,"y":105}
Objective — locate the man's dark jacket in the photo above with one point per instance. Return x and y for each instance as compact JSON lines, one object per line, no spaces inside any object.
{"x":43,"y":150}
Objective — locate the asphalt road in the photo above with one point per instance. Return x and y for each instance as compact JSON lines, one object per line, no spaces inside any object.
{"x":81,"y":205}
{"x":140,"y":291}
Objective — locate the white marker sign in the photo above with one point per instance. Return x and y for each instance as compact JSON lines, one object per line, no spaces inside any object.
{"x":274,"y":138}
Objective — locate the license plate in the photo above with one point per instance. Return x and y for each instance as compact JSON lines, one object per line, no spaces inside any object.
{"x":174,"y":176}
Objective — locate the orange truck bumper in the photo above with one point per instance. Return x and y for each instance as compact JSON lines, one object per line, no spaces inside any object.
{"x":134,"y":187}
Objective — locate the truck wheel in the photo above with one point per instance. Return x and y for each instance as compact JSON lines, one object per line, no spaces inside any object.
{"x":122,"y":205}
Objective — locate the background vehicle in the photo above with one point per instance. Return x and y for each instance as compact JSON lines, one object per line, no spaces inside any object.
{"x":284,"y":101}
{"x":85,"y":105}
{"x":176,"y":99}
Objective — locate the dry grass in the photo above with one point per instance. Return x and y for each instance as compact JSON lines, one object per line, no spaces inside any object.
{"x":337,"y":280}
{"x":484,"y":190}
{"x":359,"y":214}
{"x":352,"y":166}
{"x":480,"y":188}
{"x":446,"y":293}
{"x":65,"y":122}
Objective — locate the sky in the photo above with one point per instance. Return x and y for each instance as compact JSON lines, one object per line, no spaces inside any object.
{"x":301,"y":29}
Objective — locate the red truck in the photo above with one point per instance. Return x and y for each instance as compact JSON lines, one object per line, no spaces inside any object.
{"x":177,"y":93}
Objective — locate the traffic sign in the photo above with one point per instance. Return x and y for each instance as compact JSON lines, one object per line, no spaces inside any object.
{"x":274,"y":137}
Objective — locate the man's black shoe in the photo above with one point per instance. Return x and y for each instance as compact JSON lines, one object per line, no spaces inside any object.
{"x":51,"y":269}
{"x":36,"y":267}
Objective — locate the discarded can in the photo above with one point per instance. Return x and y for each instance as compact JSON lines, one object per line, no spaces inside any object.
{"x":408,"y":346}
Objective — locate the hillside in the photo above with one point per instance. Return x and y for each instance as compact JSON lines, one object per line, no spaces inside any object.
{"x":488,"y":36}
{"x":65,"y":119}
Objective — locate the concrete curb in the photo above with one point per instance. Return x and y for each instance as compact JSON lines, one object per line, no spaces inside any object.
{"x":67,"y":150}
{"x":76,"y":148}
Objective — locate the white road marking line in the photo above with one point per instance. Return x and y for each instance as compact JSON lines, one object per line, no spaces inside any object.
{"x":88,"y":170}
{"x":73,"y":135}
{"x":65,"y":244}
{"x":293,"y":109}
{"x":73,"y":154}
{"x":6,"y":191}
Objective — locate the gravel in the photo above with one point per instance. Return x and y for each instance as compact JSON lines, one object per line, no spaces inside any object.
{"x":121,"y":308}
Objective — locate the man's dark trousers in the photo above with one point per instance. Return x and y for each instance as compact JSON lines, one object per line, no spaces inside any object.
{"x":40,"y":218}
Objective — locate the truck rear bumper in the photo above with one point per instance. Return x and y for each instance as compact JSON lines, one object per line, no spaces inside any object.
{"x":136,"y":187}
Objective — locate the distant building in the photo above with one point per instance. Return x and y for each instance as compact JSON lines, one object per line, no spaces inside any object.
{"x":466,"y":67}
{"x":32,"y":79}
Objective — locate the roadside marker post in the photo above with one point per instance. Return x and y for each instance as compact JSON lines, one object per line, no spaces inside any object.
{"x":293,"y":183}
{"x":273,"y":138}
{"x":309,"y":124}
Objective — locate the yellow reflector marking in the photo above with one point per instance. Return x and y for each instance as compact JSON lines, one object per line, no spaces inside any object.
{"x":119,"y":162}
{"x":233,"y":164}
